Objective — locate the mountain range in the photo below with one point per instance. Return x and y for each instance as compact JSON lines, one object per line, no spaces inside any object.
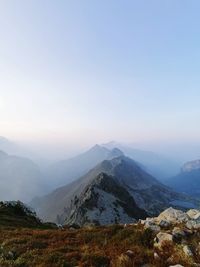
{"x":116,"y":190}
{"x":65,"y":171}
{"x":157,"y":165}
{"x":188,"y":180}
{"x":20,"y":178}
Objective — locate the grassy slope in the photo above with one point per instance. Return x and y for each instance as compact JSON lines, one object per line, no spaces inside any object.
{"x":86,"y":247}
{"x":15,"y":216}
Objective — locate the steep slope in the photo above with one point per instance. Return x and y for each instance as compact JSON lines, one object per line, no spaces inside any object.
{"x":148,"y":194}
{"x":65,"y":171}
{"x":157,"y":165}
{"x":20,"y":178}
{"x":188,"y":180}
{"x":102,"y":202}
{"x":16,"y":214}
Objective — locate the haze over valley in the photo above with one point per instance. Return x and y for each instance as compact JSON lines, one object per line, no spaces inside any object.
{"x":99,"y":133}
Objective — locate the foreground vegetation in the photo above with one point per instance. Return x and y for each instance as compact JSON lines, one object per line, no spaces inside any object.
{"x":115,"y":246}
{"x":27,"y":242}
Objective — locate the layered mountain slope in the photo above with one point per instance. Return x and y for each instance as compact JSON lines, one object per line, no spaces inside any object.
{"x":20,"y":178}
{"x":65,"y":203}
{"x":157,"y":165}
{"x":66,"y":171}
{"x":188,"y":180}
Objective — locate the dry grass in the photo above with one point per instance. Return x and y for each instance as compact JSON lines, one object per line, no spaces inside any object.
{"x":95,"y":247}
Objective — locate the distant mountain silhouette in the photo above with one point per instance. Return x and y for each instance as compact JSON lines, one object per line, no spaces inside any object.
{"x":157,"y":165}
{"x":20,"y":178}
{"x":65,"y":171}
{"x":116,"y":190}
{"x":188,"y":180}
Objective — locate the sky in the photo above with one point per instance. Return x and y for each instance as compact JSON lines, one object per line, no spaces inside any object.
{"x":82,"y":72}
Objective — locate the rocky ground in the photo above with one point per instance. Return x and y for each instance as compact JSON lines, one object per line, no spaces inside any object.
{"x":171,"y":239}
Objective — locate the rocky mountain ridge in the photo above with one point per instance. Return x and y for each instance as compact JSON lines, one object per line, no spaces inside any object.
{"x":88,"y":200}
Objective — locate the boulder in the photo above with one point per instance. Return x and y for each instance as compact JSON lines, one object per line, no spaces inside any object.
{"x":164,"y":223}
{"x":153,"y":227}
{"x":178,"y":234}
{"x":192,"y":224}
{"x":150,"y":223}
{"x":194,"y":214}
{"x":173,"y":216}
{"x":161,"y":237}
{"x":187,"y":251}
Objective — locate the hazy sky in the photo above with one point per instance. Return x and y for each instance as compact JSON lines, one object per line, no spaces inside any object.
{"x":94,"y":71}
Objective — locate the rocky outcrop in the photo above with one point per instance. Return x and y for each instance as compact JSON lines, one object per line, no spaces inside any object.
{"x":173,"y":230}
{"x":172,"y":215}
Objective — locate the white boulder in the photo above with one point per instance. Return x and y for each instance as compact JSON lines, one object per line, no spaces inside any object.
{"x":162,"y":237}
{"x":173,"y":216}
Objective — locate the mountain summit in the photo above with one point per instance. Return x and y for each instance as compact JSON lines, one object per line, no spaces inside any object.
{"x":66,"y":171}
{"x":116,"y":190}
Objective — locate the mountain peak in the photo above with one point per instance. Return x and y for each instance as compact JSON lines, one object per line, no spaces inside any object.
{"x":97,"y":148}
{"x":115,"y":152}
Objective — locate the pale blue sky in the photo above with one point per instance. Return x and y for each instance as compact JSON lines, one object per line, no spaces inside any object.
{"x":91,"y":71}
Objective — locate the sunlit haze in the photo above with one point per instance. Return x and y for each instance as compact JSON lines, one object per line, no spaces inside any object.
{"x":76,"y":73}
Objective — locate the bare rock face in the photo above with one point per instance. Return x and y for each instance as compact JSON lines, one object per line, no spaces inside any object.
{"x":104,"y":201}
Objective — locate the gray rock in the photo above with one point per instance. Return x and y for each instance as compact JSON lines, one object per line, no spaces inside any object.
{"x":164,"y":223}
{"x":154,"y":228}
{"x":192,"y":224}
{"x":178,"y":234}
{"x":161,"y":237}
{"x":172,"y":215}
{"x":194,"y":214}
{"x":187,"y":251}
